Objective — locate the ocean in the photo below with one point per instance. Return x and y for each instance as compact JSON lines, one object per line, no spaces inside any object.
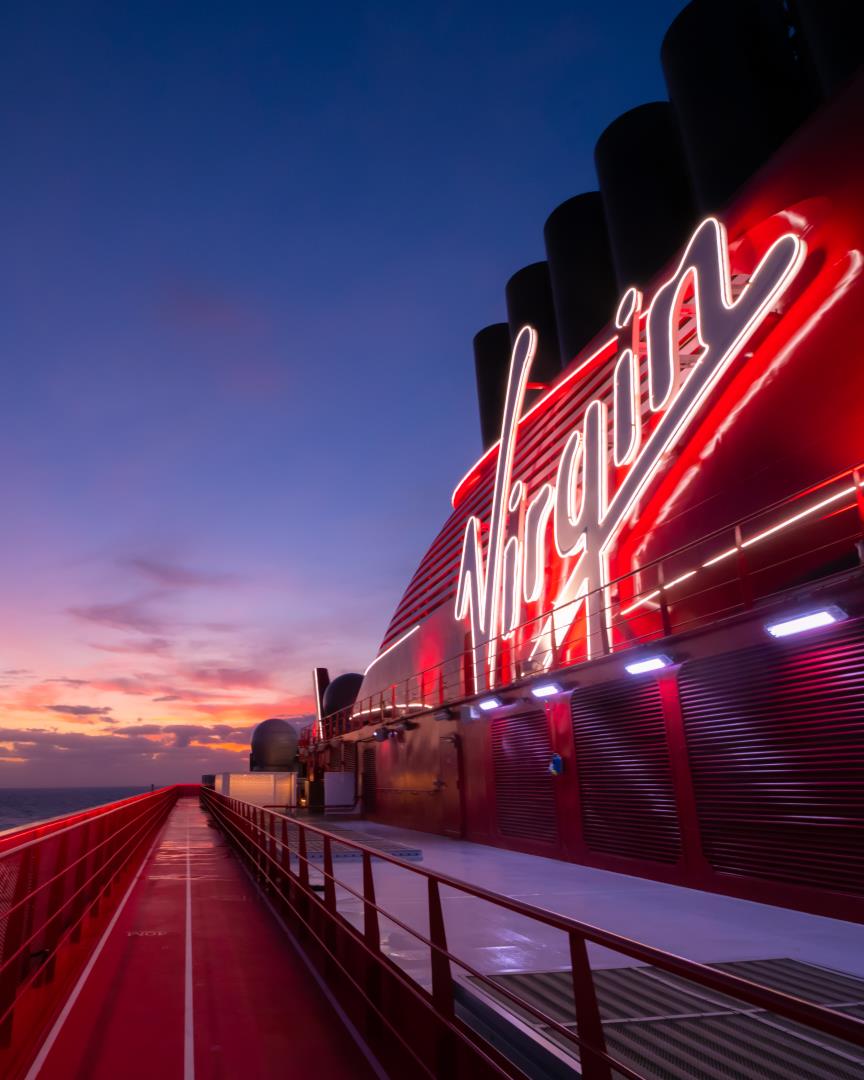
{"x":20,"y":806}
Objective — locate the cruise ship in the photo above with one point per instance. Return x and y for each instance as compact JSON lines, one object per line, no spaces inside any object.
{"x":595,"y":807}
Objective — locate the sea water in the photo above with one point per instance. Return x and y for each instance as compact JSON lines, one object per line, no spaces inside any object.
{"x":20,"y":806}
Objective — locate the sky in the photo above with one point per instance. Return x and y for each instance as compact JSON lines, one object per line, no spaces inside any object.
{"x":244,"y":249}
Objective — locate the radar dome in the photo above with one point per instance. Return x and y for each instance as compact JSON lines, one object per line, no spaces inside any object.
{"x":341,"y":693}
{"x":274,"y":747}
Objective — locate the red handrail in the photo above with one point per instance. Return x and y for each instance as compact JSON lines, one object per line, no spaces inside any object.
{"x":60,"y":882}
{"x":667,"y":595}
{"x":272,"y":843}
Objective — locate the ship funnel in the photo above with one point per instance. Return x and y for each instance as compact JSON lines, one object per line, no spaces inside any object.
{"x":530,"y":303}
{"x":833,"y":33}
{"x":491,"y":365}
{"x":581,"y":274}
{"x":738,"y":89}
{"x":645,"y":184}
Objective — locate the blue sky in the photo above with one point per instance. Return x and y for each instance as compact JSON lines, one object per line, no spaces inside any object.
{"x":245,"y":249}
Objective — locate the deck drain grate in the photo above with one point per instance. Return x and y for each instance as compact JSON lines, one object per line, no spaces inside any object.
{"x":669,"y":1028}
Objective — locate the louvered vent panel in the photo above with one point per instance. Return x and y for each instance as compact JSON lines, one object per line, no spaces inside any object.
{"x":370,"y":780}
{"x":625,"y":778}
{"x":524,"y":794}
{"x":349,"y":756}
{"x":776,"y":742}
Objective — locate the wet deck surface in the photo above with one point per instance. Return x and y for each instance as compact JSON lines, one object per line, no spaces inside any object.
{"x":197,"y":978}
{"x":701,"y":926}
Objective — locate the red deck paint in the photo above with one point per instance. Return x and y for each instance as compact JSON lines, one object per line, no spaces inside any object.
{"x":257,"y":1013}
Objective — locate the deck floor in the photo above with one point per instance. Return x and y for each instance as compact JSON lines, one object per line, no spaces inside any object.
{"x":197,"y":978}
{"x":701,"y":926}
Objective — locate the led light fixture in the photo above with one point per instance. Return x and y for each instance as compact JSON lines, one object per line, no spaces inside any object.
{"x":489,"y":703}
{"x":812,"y":620}
{"x":548,"y":689}
{"x":650,"y":663}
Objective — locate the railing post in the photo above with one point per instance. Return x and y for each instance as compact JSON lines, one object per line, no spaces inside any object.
{"x":442,"y":979}
{"x":442,"y":985}
{"x":329,"y":883}
{"x":370,"y":912}
{"x":743,"y":576}
{"x":303,"y":868}
{"x":859,"y":498}
{"x":664,"y":606}
{"x":588,"y":1023}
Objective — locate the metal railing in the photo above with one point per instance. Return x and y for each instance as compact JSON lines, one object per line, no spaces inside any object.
{"x":417,"y":1028}
{"x":60,"y":882}
{"x":720,"y":575}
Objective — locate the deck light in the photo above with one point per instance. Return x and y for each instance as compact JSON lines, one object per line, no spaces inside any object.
{"x":549,"y":689}
{"x":651,"y":663}
{"x":489,"y":703}
{"x":812,"y":620}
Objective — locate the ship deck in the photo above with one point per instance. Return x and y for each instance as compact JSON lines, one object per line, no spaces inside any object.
{"x":194,"y":974}
{"x":706,"y":927}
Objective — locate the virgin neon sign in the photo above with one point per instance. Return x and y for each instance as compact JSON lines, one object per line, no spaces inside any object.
{"x":587,"y":518}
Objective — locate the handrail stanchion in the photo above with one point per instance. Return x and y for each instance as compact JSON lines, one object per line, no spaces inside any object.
{"x":743,"y":575}
{"x":303,"y":867}
{"x":371,"y":930}
{"x":442,"y":977}
{"x":329,"y":883}
{"x":588,"y":1022}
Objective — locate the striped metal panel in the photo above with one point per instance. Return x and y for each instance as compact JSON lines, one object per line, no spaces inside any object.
{"x":370,"y":779}
{"x":625,"y":777}
{"x":524,"y":792}
{"x":775,"y":737}
{"x":349,"y":757}
{"x":669,"y":1027}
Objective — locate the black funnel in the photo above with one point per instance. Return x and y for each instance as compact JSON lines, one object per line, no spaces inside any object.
{"x":832,"y":33}
{"x":491,"y":365}
{"x":580,"y":270}
{"x":645,"y":184}
{"x":738,"y":88}
{"x":529,"y":303}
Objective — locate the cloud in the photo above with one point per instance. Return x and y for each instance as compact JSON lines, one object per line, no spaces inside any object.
{"x":141,"y":755}
{"x":129,"y":614}
{"x":168,"y":697}
{"x":227,"y":676}
{"x":79,"y":710}
{"x":68,"y":682}
{"x":173,"y":576}
{"x":154,"y":646}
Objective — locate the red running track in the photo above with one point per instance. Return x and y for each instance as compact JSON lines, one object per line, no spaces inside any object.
{"x":196,"y":978}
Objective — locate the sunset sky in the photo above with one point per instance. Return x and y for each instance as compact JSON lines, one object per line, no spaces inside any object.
{"x":245,"y":247}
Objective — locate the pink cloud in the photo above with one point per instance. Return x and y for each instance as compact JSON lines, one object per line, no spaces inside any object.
{"x":173,"y":576}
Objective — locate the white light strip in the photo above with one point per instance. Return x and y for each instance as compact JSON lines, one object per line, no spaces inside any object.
{"x":758,"y":538}
{"x":390,"y":649}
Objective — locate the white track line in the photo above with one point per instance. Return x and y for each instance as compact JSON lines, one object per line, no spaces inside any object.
{"x":45,"y":1049}
{"x":188,"y":1022}
{"x":364,"y":1048}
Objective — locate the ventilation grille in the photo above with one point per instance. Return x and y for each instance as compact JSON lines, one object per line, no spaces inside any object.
{"x":625,"y":778}
{"x":776,"y":744}
{"x":370,"y":780}
{"x":668,"y":1028}
{"x":524,"y":793}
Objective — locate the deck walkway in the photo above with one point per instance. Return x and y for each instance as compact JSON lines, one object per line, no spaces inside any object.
{"x":195,"y":977}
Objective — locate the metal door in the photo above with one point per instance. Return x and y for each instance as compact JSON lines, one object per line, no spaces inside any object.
{"x":450,"y":784}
